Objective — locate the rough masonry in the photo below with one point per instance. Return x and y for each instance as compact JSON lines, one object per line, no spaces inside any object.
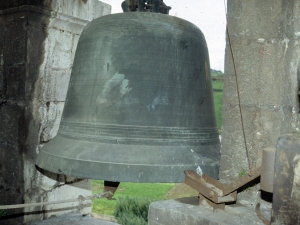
{"x":37,"y":45}
{"x":263,"y":50}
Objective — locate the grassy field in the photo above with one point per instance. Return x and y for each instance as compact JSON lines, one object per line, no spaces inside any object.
{"x":218,"y":107}
{"x":217,"y":83}
{"x":153,"y":191}
{"x":218,"y":99}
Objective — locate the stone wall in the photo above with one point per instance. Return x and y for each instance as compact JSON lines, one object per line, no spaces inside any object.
{"x":264,"y":38}
{"x":38,"y":40}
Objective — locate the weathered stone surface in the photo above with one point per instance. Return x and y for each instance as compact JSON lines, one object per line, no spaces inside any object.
{"x":254,"y":18}
{"x":37,"y":45}
{"x":186,"y":211}
{"x":51,"y":116}
{"x":13,"y":133}
{"x":73,"y":219}
{"x":79,"y":9}
{"x":265,"y":43}
{"x":286,"y":195}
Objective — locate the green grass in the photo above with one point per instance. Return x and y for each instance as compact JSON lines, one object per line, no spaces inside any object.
{"x":218,"y":98}
{"x":218,"y":84}
{"x":242,"y":173}
{"x":155,"y":191}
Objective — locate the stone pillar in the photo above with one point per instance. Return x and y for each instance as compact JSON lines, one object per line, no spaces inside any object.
{"x":38,"y":40}
{"x":264,"y":39}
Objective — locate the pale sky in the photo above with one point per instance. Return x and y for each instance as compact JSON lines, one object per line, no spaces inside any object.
{"x":208,"y":15}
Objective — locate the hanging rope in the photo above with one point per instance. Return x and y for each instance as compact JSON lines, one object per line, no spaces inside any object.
{"x":238,"y":95}
{"x":80,"y":200}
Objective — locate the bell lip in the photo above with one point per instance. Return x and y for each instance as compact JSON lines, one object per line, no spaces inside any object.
{"x":122,"y":172}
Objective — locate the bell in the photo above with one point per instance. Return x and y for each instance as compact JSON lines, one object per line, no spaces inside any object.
{"x":139,"y":105}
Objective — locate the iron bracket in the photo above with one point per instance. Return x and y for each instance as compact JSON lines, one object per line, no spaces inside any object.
{"x":215,"y":193}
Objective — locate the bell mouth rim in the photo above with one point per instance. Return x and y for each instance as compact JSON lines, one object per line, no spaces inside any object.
{"x":158,"y":167}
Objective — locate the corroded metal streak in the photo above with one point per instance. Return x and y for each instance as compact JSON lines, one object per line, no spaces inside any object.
{"x":215,"y":193}
{"x":260,"y":215}
{"x":207,"y":184}
{"x":215,"y":206}
{"x":211,"y":191}
{"x":199,"y":184}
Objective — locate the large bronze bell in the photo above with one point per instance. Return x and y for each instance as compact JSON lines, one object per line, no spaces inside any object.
{"x":139,"y":106}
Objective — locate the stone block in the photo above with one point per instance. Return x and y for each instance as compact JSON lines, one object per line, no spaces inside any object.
{"x":16,"y":3}
{"x":58,"y":49}
{"x":255,"y":19}
{"x":15,"y":43}
{"x":291,"y":18}
{"x":12,"y":133}
{"x":54,"y":85}
{"x":32,"y":87}
{"x":187,"y":211}
{"x":51,"y":121}
{"x":266,"y":57}
{"x":86,"y":10}
{"x":74,"y":219}
{"x":262,"y":129}
{"x":13,"y":124}
{"x":259,"y":74}
{"x":14,"y":82}
{"x":63,"y":192}
{"x":37,"y":44}
{"x":37,"y":32}
{"x":11,"y":176}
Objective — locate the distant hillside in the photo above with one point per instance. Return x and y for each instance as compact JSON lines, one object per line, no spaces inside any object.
{"x":216,"y":72}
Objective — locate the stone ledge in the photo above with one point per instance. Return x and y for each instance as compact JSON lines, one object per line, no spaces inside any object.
{"x":73,"y":219}
{"x":186,"y":211}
